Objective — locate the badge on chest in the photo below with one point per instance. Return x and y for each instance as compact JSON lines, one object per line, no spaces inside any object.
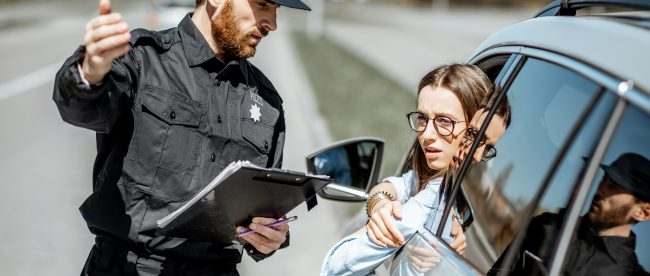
{"x":255,"y":113}
{"x":255,"y":110}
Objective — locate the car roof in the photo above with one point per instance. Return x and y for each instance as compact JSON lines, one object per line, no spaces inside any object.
{"x":615,"y":44}
{"x":640,"y":19}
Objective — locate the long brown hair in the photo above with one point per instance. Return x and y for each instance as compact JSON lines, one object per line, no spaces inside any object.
{"x":470,"y":85}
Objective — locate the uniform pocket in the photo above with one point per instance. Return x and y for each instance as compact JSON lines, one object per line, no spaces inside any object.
{"x":167,"y":130}
{"x":258,"y":135}
{"x":258,"y":122}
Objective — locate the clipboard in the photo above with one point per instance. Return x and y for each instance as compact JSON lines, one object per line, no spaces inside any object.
{"x":239,"y":193}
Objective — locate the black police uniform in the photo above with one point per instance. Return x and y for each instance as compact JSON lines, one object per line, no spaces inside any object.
{"x":169,"y":117}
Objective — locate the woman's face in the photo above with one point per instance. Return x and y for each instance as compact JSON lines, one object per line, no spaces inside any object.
{"x":433,"y":102}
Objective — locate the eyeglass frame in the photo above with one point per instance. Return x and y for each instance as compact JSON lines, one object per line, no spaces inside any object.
{"x":489,"y":152}
{"x":453,"y":123}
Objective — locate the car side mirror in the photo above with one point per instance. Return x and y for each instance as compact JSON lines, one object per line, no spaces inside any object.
{"x":354,"y":166}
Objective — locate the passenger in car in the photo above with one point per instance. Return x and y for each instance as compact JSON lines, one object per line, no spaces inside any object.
{"x":604,"y":243}
{"x":496,"y":128}
{"x":447,"y":97}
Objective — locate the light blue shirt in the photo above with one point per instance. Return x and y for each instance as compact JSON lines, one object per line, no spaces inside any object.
{"x":357,"y":255}
{"x":405,"y":185}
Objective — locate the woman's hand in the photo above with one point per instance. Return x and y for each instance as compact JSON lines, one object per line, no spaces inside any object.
{"x":381,"y":229}
{"x":423,"y":258}
{"x":459,"y":243}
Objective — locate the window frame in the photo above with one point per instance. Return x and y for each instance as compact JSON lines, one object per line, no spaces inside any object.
{"x":599,"y":78}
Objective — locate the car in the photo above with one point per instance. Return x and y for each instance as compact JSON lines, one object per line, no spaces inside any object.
{"x":167,"y":13}
{"x":579,"y":91}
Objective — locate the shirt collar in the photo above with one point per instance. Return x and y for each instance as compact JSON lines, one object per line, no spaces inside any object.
{"x":620,"y":249}
{"x":198,"y":51}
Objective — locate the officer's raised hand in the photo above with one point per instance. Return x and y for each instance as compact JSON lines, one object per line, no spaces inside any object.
{"x":107,"y":38}
{"x":265,"y":239}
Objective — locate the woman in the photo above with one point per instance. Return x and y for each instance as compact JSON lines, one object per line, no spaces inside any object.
{"x":447,"y":98}
{"x":383,"y":232}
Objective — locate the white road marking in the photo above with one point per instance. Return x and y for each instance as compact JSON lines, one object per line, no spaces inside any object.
{"x":29,"y":81}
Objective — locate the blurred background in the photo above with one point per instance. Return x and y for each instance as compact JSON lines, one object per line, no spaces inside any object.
{"x":348,"y":68}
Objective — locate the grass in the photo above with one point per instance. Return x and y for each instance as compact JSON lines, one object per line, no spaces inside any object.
{"x":356,"y":99}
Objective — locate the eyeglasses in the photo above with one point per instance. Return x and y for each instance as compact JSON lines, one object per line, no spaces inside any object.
{"x":444,"y":125}
{"x":489,"y":152}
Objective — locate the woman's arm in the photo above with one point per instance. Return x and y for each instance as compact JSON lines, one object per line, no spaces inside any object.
{"x":382,"y":207}
{"x":357,"y":255}
{"x":382,"y":231}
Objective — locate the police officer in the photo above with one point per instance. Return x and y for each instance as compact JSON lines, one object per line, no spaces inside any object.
{"x":171,"y":109}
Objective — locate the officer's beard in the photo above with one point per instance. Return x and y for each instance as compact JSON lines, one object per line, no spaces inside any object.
{"x":229,"y":38}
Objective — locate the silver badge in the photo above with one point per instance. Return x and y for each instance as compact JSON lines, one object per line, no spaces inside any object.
{"x":255,"y":113}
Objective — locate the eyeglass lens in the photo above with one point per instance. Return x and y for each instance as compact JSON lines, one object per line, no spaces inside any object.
{"x":444,"y":125}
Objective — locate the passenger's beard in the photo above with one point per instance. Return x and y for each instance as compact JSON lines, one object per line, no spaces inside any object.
{"x":229,"y":38}
{"x":610,"y":218}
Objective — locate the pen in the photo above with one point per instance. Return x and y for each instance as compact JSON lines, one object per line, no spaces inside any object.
{"x":275,"y":223}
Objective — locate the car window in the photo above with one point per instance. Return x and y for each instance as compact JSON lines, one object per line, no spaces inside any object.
{"x":630,"y":143}
{"x":546,"y":101}
{"x":541,"y":235}
{"x":425,"y":254}
{"x":493,"y":66}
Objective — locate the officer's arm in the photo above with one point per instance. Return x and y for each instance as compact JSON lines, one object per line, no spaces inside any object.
{"x":95,"y":107}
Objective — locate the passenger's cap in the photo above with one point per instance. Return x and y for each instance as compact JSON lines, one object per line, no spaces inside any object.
{"x":631,"y":171}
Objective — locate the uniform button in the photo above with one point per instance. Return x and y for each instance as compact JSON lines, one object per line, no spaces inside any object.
{"x":172,"y":115}
{"x":219,"y":119}
{"x":266,"y":145}
{"x":213,"y":157}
